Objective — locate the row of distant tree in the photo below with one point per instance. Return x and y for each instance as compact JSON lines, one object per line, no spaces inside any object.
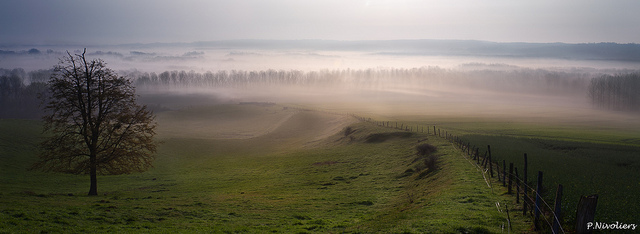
{"x":32,"y":51}
{"x":616,"y":92}
{"x":535,"y":81}
{"x":19,"y":91}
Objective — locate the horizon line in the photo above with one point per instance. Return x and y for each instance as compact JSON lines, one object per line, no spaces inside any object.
{"x":300,"y":40}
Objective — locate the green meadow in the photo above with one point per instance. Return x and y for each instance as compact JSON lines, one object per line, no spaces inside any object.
{"x":586,"y":158}
{"x":587,"y":151}
{"x":270,"y":168}
{"x":284,"y":170}
{"x":583,"y":168}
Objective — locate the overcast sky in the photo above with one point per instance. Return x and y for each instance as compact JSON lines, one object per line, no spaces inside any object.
{"x":148,"y":21}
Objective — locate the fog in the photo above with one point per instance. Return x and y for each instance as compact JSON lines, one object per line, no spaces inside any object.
{"x":308,"y":55}
{"x":380,"y":78}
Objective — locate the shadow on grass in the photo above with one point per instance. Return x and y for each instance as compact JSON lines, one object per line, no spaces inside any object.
{"x":382,"y":137}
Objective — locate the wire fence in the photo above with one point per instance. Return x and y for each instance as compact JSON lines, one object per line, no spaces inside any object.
{"x":546,"y":217}
{"x":532,"y":196}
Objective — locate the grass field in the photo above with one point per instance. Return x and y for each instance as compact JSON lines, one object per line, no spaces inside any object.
{"x":588,"y":151}
{"x":300,"y":175}
{"x":585,"y":157}
{"x":583,"y":168}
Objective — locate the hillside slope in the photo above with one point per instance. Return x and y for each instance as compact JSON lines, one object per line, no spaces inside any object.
{"x":287,"y":180}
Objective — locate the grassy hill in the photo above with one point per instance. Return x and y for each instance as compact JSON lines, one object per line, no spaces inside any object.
{"x":297,"y":173}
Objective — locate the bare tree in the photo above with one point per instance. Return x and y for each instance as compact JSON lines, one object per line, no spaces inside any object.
{"x":94,"y":123}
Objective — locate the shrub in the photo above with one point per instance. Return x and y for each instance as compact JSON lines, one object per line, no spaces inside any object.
{"x":431,"y":162}
{"x":425,"y":149}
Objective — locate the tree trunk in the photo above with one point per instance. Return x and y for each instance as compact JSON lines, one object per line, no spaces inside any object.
{"x":93,"y":190}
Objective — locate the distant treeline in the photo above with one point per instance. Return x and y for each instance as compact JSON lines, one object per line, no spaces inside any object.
{"x":31,"y":51}
{"x":535,"y":81}
{"x":616,"y":92}
{"x":19,"y":92}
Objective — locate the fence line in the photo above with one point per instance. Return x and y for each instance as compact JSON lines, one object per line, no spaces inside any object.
{"x":467,"y":150}
{"x":461,"y":145}
{"x":487,"y":161}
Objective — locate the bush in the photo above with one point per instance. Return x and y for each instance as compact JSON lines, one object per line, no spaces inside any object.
{"x":431,"y":162}
{"x":425,"y":149}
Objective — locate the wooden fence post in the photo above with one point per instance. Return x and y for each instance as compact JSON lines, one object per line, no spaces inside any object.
{"x":557,"y":211}
{"x":504,"y":173}
{"x":517,"y":187}
{"x":536,"y":220}
{"x":498,"y":170}
{"x":510,"y":190}
{"x":473,"y":152}
{"x":434,"y":130}
{"x":484,"y":160}
{"x":490,"y":159}
{"x":525,"y":187}
{"x":585,"y":214}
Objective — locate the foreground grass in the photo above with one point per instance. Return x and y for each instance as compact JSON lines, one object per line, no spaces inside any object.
{"x":343,"y":184}
{"x":586,"y":159}
{"x":583,"y":168}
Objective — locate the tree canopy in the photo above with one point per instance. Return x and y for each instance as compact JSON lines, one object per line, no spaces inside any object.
{"x":93,"y":122}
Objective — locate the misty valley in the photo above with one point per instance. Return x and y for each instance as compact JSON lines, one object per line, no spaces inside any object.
{"x":341,"y":137}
